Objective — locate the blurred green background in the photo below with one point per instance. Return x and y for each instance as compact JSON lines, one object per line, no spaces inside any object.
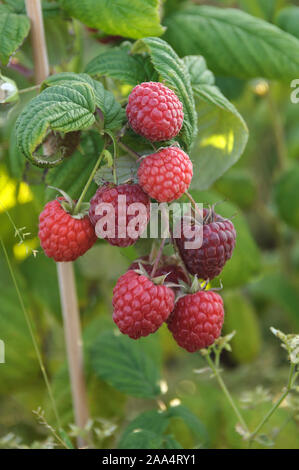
{"x":260,"y":282}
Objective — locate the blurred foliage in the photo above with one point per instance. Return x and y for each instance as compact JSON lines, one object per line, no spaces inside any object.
{"x":261,"y":281}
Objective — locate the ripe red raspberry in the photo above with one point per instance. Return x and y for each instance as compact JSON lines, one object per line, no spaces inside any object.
{"x":166,"y":175}
{"x":155,"y":112}
{"x":120,"y":197}
{"x":219,"y":239}
{"x":197,"y":320}
{"x":140,"y":306}
{"x":63,"y":237}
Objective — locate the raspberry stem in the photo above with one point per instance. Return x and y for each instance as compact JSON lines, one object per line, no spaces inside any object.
{"x":158,"y":257}
{"x":164,"y":237}
{"x":31,"y":88}
{"x":112,"y":137}
{"x":293,"y":375}
{"x":128,"y":149}
{"x":182,"y":261}
{"x":89,"y":181}
{"x":193,"y":204}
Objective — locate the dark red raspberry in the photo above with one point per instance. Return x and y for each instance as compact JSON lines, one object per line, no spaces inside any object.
{"x":155,"y":112}
{"x":144,"y":261}
{"x":63,"y":237}
{"x":174,"y":271}
{"x":219,"y":239}
{"x":197,"y":320}
{"x":140,"y":306}
{"x":109,"y":194}
{"x":166,"y":175}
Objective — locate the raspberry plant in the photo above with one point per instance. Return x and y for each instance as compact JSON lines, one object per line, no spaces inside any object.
{"x":145,"y":115}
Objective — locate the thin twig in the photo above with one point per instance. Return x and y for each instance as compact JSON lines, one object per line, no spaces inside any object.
{"x":292,"y":377}
{"x":89,"y":181}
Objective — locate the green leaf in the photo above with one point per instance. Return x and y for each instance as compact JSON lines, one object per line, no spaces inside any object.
{"x":59,"y":41}
{"x":233,"y":42}
{"x":245,"y":263}
{"x":13,"y":30}
{"x":16,"y":161}
{"x":288,"y":20}
{"x":142,"y":439}
{"x":171,"y":443}
{"x":152,"y":421}
{"x":121,"y":362}
{"x":287,"y":197}
{"x":241,"y":317}
{"x":149,"y":427}
{"x":17,"y":6}
{"x":191,"y":420}
{"x":112,"y":111}
{"x":262,"y":8}
{"x":231,"y":87}
{"x":222,"y":134}
{"x":174,"y":74}
{"x":118,"y":63}
{"x":126,"y":168}
{"x":73,"y":173}
{"x":61,"y":108}
{"x":128,"y":18}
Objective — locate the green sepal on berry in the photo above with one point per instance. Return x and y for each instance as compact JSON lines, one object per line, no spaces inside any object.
{"x":157,"y":280}
{"x":70,"y":206}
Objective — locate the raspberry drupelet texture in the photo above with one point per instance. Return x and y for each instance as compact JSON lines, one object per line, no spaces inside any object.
{"x":140,"y":306}
{"x":197,"y":320}
{"x":63,"y":237}
{"x":122,"y":233}
{"x":155,"y":112}
{"x":166,"y":175}
{"x":219,"y":239}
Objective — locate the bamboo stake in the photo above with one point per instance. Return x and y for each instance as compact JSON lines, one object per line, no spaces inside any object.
{"x":65,"y":271}
{"x":72,"y":332}
{"x":41,"y":64}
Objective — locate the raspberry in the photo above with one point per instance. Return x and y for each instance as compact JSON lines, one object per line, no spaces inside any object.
{"x":155,"y":112}
{"x":197,"y":320}
{"x":144,"y":261}
{"x":219,"y":239}
{"x":166,"y":175}
{"x":140,"y":306}
{"x":175,"y":272}
{"x":109,"y":194}
{"x":63,"y":237}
